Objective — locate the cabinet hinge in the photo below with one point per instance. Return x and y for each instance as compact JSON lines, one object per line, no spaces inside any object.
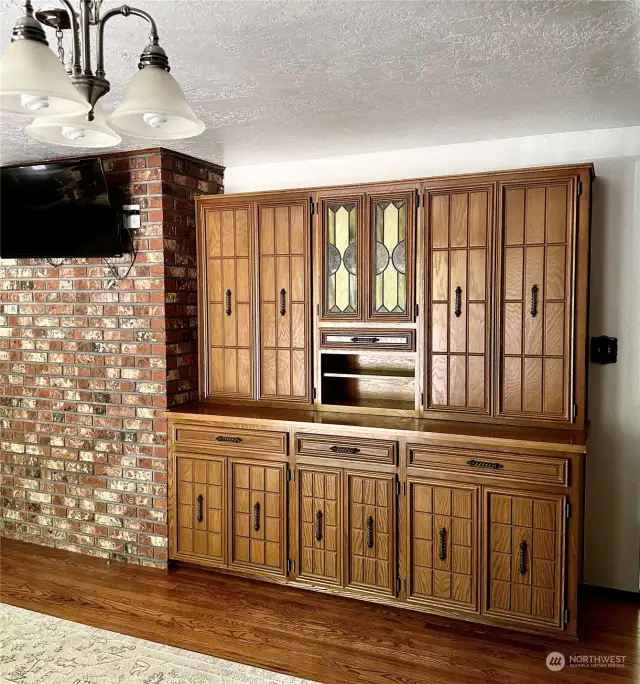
{"x":417,"y":310}
{"x":315,"y":393}
{"x":421,"y":398}
{"x":566,"y":616}
{"x":397,"y":487}
{"x":318,"y":309}
{"x":317,"y":207}
{"x":291,"y":475}
{"x":568,"y":511}
{"x":312,"y":207}
{"x":398,"y":585}
{"x":417,"y":200}
{"x":574,"y":411}
{"x":291,"y":565}
{"x":579,"y":188}
{"x":404,"y":489}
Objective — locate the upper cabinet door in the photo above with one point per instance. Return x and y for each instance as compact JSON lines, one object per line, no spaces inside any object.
{"x":342,"y":257}
{"x":228,"y":314}
{"x":459,"y":239}
{"x":284,"y":274}
{"x":391,"y":218}
{"x":536,"y":294}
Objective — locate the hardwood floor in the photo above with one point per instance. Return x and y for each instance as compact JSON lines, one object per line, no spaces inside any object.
{"x":318,"y":637}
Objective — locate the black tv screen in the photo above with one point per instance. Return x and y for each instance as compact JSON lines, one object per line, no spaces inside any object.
{"x":57,"y":210}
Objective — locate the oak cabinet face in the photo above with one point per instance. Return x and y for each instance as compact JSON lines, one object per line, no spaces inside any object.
{"x":320,"y":524}
{"x":524,"y":556}
{"x":536,"y":292}
{"x":258,"y":493}
{"x":458,"y":286}
{"x":371,"y":529}
{"x":201,"y":508}
{"x":443,"y":544}
{"x":284,"y":274}
{"x":229,"y":275}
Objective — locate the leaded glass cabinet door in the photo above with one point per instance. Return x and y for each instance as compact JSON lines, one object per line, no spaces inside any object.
{"x":342,"y":257}
{"x":391,"y":239}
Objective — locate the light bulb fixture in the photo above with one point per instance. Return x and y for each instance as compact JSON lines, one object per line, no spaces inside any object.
{"x":154,"y":106}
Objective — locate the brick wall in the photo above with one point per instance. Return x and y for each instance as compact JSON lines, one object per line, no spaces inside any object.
{"x":88,"y":364}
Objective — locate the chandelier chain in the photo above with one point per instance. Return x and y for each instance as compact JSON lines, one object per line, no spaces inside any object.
{"x":60,"y":36}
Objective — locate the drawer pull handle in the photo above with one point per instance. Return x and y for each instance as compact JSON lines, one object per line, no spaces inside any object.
{"x":319,"y":526}
{"x":370,"y":532}
{"x":443,"y":544}
{"x":227,"y":300}
{"x":534,"y":301}
{"x":372,"y":340}
{"x":458,"y":311}
{"x":199,"y":513}
{"x":485,"y":464}
{"x":522,"y":557}
{"x":224,"y":438}
{"x":283,"y":302}
{"x":344,"y":450}
{"x":256,"y":516}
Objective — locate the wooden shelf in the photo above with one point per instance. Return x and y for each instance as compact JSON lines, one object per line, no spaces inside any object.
{"x":371,"y":373}
{"x":373,"y":404}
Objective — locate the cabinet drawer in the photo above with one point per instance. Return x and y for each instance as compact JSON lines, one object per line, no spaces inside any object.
{"x":218,"y":438}
{"x":389,"y":340}
{"x":527,"y":468}
{"x":352,"y":448}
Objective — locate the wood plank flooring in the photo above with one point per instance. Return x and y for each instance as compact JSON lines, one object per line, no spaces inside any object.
{"x":323,"y":638}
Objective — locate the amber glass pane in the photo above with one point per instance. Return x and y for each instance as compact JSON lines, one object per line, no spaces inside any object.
{"x":342,"y":286}
{"x":390,"y":256}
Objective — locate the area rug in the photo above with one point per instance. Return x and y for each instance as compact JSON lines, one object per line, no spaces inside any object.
{"x":40,"y":649}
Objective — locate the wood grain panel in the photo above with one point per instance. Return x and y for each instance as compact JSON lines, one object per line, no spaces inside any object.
{"x":229,"y":323}
{"x":536,"y":291}
{"x":320,"y":524}
{"x":284,"y":246}
{"x":524,"y":556}
{"x":258,"y":509}
{"x":371,"y":525}
{"x":442,"y":525}
{"x":459,"y":235}
{"x":201,"y":508}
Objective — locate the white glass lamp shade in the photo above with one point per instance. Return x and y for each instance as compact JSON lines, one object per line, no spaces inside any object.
{"x":74,"y":131}
{"x":155,"y":107}
{"x":33,"y":82}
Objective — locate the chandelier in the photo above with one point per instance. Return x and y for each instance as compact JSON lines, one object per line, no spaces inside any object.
{"x":63,"y":101}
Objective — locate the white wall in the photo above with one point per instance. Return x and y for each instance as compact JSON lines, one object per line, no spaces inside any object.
{"x":612,"y":526}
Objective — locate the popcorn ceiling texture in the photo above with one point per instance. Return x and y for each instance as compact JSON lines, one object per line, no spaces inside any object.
{"x":288,"y":80}
{"x":88,"y":364}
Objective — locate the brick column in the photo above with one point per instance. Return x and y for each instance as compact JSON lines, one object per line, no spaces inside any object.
{"x":89,"y":363}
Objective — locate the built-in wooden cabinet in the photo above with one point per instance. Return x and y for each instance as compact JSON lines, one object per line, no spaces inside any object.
{"x":393,"y":394}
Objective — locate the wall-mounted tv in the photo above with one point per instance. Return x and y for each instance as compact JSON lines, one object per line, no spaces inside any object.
{"x":60,"y":209}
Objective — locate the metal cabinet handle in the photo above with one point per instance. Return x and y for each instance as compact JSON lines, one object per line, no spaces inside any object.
{"x":370,"y":532}
{"x":372,"y":340}
{"x":224,"y":438}
{"x":534,"y":301}
{"x":199,"y":515}
{"x":458,"y":309}
{"x":319,"y":526}
{"x":344,"y":450}
{"x":485,"y":464}
{"x":522,"y":557}
{"x":443,"y":544}
{"x":283,"y":302}
{"x":227,"y":299}
{"x":256,"y":516}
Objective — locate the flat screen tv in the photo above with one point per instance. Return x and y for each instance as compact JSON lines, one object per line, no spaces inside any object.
{"x":57,"y":210}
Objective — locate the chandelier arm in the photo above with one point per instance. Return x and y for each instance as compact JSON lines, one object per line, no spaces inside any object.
{"x":124,"y":11}
{"x":75,"y":33}
{"x":85,"y":14}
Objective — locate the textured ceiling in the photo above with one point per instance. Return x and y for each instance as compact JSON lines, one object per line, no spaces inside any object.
{"x":276,"y":81}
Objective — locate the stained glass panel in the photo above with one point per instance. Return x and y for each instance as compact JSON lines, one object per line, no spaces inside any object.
{"x":342,"y":284}
{"x":390,"y":294}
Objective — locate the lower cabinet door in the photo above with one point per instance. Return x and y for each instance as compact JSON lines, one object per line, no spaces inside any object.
{"x":371,"y":526}
{"x":258,"y":507}
{"x":320,"y":524}
{"x":201,"y":502}
{"x":524,"y":556}
{"x":443,"y":544}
